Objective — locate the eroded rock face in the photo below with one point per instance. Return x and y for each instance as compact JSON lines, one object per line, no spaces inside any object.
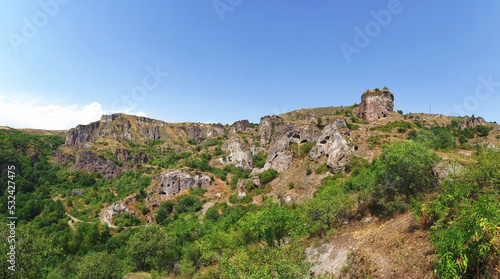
{"x":333,"y":145}
{"x":280,"y":156}
{"x":62,"y":158}
{"x":375,"y":104}
{"x":81,"y":134}
{"x":121,"y":154}
{"x":174,"y":181}
{"x":91,"y":161}
{"x":266,"y":128}
{"x":239,"y":126}
{"x":239,"y":157}
{"x":471,"y":122}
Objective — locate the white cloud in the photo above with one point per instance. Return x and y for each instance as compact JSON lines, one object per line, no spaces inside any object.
{"x":26,"y":112}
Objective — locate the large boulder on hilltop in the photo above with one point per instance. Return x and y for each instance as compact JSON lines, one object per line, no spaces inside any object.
{"x":91,"y":161}
{"x":173,"y":181}
{"x":239,"y":126}
{"x":266,"y":128}
{"x":375,"y":104}
{"x":333,"y":145}
{"x":471,"y":122}
{"x":238,"y":156}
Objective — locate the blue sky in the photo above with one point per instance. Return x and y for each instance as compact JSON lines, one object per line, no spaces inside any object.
{"x":67,"y":62}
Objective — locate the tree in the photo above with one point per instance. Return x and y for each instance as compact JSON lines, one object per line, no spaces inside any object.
{"x":147,"y":248}
{"x":328,"y":204}
{"x":33,"y":251}
{"x":99,"y":265}
{"x":482,"y":130}
{"x":409,"y":168}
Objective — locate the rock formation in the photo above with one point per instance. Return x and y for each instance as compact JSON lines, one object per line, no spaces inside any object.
{"x":173,"y":181}
{"x":471,"y":122}
{"x":92,"y":161}
{"x":266,"y":128}
{"x":280,"y":156}
{"x":112,"y":210}
{"x":334,"y":146}
{"x":375,"y":104}
{"x":239,"y":126}
{"x":238,"y":156}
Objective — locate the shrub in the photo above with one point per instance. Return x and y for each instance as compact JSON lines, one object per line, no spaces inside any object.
{"x":267,"y":176}
{"x":400,"y":111}
{"x":308,"y":171}
{"x":198,"y":191}
{"x":188,"y":204}
{"x":482,"y":130}
{"x":409,"y":168}
{"x":306,"y":147}
{"x":291,"y":185}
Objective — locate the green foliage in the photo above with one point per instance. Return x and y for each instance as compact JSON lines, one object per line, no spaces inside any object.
{"x":212,"y":214}
{"x":482,"y":130}
{"x":321,"y":169}
{"x":99,"y":265}
{"x":400,"y":111}
{"x":356,"y":120}
{"x":395,"y":124}
{"x":198,"y":191}
{"x":267,"y":176}
{"x":126,"y":219}
{"x":329,"y":204}
{"x":436,"y":138}
{"x":408,"y":168}
{"x":192,"y":141}
{"x":306,"y":147}
{"x":259,"y":160}
{"x":188,"y":204}
{"x":147,"y":248}
{"x":308,"y":171}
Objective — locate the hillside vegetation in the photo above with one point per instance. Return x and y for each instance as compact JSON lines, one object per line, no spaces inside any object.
{"x":318,"y":193}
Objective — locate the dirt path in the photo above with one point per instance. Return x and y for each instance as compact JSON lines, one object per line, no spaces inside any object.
{"x":395,"y":248}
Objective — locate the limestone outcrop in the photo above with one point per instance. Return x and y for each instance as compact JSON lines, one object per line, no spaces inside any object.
{"x":239,"y":126}
{"x":92,"y":161}
{"x":238,"y":156}
{"x":471,"y":122}
{"x":375,"y":104}
{"x":333,"y":145}
{"x":173,"y":181}
{"x":280,"y":156}
{"x":267,"y":126}
{"x":112,"y":210}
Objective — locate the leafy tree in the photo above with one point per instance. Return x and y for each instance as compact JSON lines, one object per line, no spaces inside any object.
{"x":328,"y":205}
{"x":188,"y":204}
{"x":34,"y":252}
{"x":99,"y":265}
{"x":147,"y":248}
{"x":482,"y":130}
{"x":409,"y":168}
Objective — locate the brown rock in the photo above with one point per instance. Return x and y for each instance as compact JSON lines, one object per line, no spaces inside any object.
{"x":375,"y":104}
{"x":91,"y":161}
{"x":471,"y":122}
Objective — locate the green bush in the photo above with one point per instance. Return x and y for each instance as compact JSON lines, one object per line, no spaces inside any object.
{"x":188,"y":204}
{"x":267,"y":176}
{"x":482,"y":130}
{"x":306,"y":147}
{"x":409,"y":168}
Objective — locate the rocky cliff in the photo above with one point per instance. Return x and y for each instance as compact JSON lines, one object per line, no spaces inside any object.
{"x":173,"y":181}
{"x":332,"y":143}
{"x":375,"y":104}
{"x":471,"y":122}
{"x":92,"y":161}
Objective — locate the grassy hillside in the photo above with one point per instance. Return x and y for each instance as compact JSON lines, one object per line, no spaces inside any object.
{"x":417,"y":199}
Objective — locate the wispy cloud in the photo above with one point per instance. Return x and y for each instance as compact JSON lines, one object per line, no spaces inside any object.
{"x":32,"y":113}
